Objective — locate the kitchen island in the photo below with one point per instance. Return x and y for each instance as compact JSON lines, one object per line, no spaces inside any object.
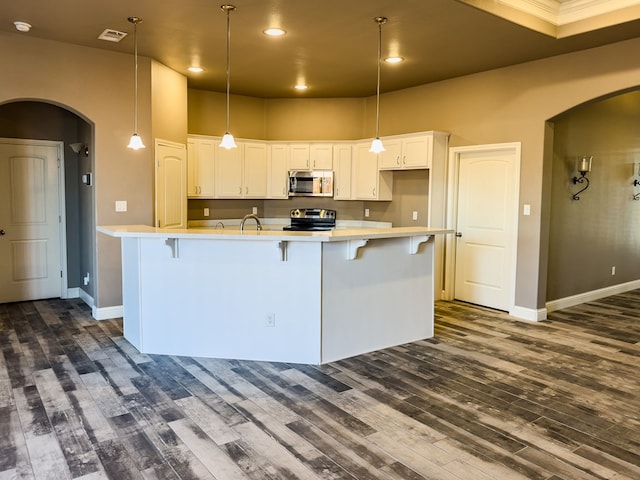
{"x":298,"y":297}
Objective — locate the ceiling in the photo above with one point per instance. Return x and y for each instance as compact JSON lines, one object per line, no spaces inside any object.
{"x":332,"y":44}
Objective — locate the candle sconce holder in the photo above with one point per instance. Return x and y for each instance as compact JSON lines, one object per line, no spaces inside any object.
{"x":584,"y":167}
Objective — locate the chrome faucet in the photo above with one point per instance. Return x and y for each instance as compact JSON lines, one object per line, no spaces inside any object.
{"x":247,"y":217}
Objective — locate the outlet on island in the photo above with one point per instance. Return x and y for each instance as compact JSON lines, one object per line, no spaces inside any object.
{"x":270,"y":320}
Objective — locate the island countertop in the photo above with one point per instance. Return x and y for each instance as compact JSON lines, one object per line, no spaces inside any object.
{"x":251,"y":234}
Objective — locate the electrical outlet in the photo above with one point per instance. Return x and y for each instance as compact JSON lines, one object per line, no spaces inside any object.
{"x":121,"y":205}
{"x":86,"y":279}
{"x":415,"y":216}
{"x":613,"y":270}
{"x":206,"y":211}
{"x":366,"y":212}
{"x":270,"y":320}
{"x":254,"y":210}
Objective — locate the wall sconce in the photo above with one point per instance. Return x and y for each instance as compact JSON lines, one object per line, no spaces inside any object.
{"x":584,"y":167}
{"x":636,"y":182}
{"x":79,"y":149}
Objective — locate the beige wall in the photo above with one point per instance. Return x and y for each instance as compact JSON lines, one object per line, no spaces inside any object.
{"x":601,"y":230}
{"x":97,"y":85}
{"x":505,"y":105}
{"x":207,"y":115}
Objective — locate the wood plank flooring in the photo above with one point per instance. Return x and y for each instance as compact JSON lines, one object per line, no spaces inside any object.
{"x":487,"y":398}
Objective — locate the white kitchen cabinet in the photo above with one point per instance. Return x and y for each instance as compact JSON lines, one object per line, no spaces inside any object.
{"x":403,"y":152}
{"x":255,"y":170}
{"x":277,"y":171}
{"x":299,"y":156}
{"x":201,"y":153}
{"x":321,"y":156}
{"x":242,"y":172}
{"x":369,"y":183}
{"x":342,"y":171}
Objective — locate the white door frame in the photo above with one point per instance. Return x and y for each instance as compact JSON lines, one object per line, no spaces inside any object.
{"x":452,"y":213}
{"x":64,"y":289}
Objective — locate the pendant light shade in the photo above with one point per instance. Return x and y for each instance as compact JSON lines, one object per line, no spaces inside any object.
{"x":135,"y":142}
{"x":228,"y":141}
{"x":376,"y":144}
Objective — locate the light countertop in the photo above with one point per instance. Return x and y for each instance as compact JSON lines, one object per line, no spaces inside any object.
{"x":251,"y":234}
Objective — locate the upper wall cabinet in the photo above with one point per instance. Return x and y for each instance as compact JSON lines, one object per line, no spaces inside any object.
{"x":201,"y":152}
{"x":321,"y":156}
{"x":277,"y":174}
{"x":369,"y":183}
{"x":412,"y":151}
{"x":242,"y":172}
{"x":311,"y":156}
{"x":299,"y":156}
{"x":342,"y":171}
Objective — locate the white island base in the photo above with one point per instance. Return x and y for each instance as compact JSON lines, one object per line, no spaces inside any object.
{"x":274,"y":296}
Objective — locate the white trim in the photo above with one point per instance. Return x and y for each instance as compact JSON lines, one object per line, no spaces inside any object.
{"x":530,"y":314}
{"x":86,"y":298}
{"x":573,"y":300}
{"x":71,"y":292}
{"x":106,"y":313}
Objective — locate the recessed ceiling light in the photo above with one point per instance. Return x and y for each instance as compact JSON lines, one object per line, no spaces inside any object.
{"x":195,"y":69}
{"x":22,"y":26}
{"x":301,"y":87}
{"x":274,"y":32}
{"x":394,"y":59}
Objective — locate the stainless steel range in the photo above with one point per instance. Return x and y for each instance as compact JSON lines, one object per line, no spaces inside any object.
{"x":312,"y":219}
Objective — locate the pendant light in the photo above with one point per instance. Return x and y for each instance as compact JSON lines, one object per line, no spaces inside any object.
{"x":227,"y":140}
{"x":376,"y":144}
{"x":135,"y":142}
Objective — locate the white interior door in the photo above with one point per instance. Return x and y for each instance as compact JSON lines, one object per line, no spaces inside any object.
{"x":486,"y":224}
{"x":171,"y":185}
{"x":30,"y":220}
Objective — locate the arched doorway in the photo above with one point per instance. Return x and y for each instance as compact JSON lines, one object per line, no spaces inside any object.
{"x":31,"y":119}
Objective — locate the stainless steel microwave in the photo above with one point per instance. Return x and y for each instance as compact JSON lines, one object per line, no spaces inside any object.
{"x":316,"y":183}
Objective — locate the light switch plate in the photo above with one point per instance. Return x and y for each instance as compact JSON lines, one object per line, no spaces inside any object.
{"x":121,"y":205}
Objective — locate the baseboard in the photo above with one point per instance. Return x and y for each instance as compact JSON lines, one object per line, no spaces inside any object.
{"x":107,"y":313}
{"x":573,"y":300}
{"x":72,"y":293}
{"x":86,"y":298}
{"x":529,"y":314}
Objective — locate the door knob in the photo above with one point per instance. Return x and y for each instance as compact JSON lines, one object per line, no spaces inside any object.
{"x":2,"y":232}
{"x":458,"y":234}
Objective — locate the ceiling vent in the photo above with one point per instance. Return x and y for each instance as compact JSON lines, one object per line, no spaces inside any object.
{"x":111,"y":35}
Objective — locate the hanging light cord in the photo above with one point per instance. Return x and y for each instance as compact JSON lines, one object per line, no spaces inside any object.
{"x":135,"y":22}
{"x":380,"y":21}
{"x":228,"y":9}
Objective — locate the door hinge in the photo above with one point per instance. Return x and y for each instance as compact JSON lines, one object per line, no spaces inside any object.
{"x":60,"y":273}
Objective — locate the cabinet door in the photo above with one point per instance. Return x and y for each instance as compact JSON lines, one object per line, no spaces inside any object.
{"x":365,"y":173}
{"x":277,"y":177}
{"x":200,"y":166}
{"x":417,"y":152}
{"x":391,"y":158}
{"x":228,"y":173}
{"x":299,"y":156}
{"x":321,"y":156}
{"x":255,"y":170}
{"x":342,"y":172}
{"x":192,"y":161}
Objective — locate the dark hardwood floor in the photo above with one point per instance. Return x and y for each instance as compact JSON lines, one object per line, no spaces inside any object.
{"x":487,"y":398}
